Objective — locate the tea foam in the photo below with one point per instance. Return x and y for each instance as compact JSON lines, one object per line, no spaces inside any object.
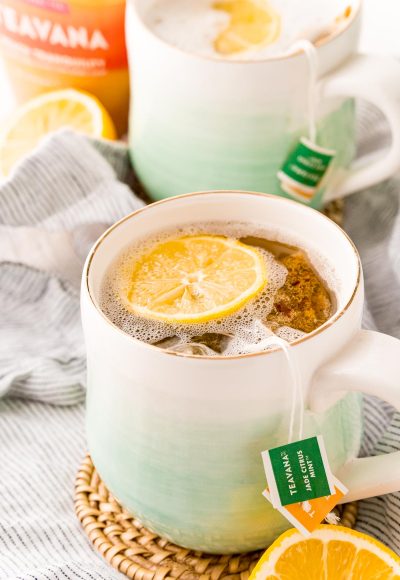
{"x":193,"y":25}
{"x":244,"y":326}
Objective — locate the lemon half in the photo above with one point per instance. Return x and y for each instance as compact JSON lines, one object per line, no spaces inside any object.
{"x":49,"y":112}
{"x":195,"y":279}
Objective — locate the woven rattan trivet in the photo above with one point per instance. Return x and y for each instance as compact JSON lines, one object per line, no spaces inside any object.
{"x":142,"y":555}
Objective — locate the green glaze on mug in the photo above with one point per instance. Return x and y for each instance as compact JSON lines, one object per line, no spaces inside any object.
{"x":178,"y":438}
{"x":175,"y":154}
{"x":208,"y":474}
{"x":199,"y":123}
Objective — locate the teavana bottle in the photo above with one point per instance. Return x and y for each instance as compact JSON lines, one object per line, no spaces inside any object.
{"x":49,"y":44}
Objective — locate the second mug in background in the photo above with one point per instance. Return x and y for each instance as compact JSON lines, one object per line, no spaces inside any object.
{"x":199,"y":121}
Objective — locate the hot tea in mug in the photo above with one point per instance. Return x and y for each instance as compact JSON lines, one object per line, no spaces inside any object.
{"x":224,"y":90}
{"x":211,"y":289}
{"x":245,"y":29}
{"x":185,"y":389}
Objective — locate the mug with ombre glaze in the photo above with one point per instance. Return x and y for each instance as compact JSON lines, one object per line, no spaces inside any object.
{"x":178,"y":438}
{"x":199,"y":123}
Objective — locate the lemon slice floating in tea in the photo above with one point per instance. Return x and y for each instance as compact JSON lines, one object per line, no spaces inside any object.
{"x":194,"y":279}
{"x":253,"y":23}
{"x":330,"y":553}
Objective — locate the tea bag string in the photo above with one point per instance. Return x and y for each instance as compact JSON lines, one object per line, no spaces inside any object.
{"x":297,"y":401}
{"x":297,"y":391}
{"x":310,"y":53}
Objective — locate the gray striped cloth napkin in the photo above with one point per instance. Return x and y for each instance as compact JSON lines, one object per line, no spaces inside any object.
{"x":51,"y":211}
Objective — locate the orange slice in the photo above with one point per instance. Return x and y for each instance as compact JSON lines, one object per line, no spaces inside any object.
{"x":331,"y":553}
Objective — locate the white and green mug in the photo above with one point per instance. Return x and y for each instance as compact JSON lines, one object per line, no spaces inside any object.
{"x":178,"y":438}
{"x":201,"y":123}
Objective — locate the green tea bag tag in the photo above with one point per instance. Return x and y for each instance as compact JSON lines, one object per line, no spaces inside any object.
{"x":305,"y":169}
{"x":298,"y":472}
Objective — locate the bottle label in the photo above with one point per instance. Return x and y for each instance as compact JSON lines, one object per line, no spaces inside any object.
{"x":68,"y":38}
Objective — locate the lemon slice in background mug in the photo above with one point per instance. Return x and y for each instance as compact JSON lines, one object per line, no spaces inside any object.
{"x":253,"y":23}
{"x":194,"y":279}
{"x":330,"y":553}
{"x":49,"y":112}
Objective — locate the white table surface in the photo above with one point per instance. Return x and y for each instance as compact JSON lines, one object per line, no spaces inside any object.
{"x":380,"y":35}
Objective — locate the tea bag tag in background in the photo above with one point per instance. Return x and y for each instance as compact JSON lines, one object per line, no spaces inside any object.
{"x":305,"y":170}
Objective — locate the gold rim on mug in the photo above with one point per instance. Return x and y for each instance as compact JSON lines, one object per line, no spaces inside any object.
{"x":142,"y":555}
{"x":355,"y":11}
{"x":309,"y":336}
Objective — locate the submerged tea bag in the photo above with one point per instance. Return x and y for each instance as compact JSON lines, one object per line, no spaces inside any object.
{"x":303,"y":303}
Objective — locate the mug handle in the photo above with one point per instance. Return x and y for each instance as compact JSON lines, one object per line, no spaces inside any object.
{"x":370,"y":363}
{"x":376,"y":79}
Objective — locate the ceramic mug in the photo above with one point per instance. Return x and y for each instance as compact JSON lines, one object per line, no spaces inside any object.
{"x":178,"y":438}
{"x":201,"y":123}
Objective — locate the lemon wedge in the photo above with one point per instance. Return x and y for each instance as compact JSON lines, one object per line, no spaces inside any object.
{"x":195,"y":279}
{"x":47,"y":113}
{"x":253,"y":23}
{"x":330,"y":553}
